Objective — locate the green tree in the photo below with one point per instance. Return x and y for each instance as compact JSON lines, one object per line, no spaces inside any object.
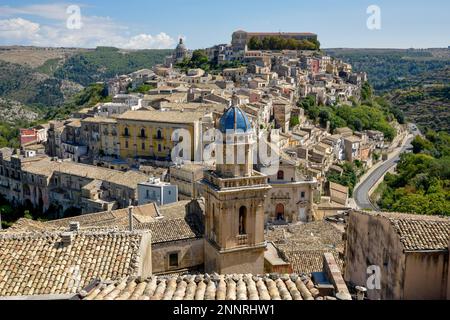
{"x":366,"y":91}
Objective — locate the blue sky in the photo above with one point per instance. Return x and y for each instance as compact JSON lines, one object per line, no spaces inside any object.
{"x":158,"y":23}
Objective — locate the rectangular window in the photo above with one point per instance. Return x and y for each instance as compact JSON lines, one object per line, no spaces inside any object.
{"x":143,"y":146}
{"x":173,"y":259}
{"x":302,"y":194}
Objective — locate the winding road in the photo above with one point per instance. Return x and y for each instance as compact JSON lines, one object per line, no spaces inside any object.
{"x":361,"y":192}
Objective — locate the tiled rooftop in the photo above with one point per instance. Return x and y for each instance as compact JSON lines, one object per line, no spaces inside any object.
{"x":423,"y":234}
{"x":308,"y":261}
{"x":209,"y":287}
{"x":173,"y":227}
{"x":162,"y":116}
{"x":303,"y":245}
{"x":41,"y":263}
{"x":47,"y":167}
{"x":419,"y":232}
{"x":167,"y":230}
{"x":316,"y":235}
{"x":116,"y":218}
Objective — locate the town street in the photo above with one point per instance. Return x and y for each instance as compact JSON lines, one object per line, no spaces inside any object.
{"x":361,"y":192}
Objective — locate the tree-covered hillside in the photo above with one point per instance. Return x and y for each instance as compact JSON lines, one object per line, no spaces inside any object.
{"x":54,"y":88}
{"x":422,"y":182}
{"x":414,"y":80}
{"x":427,"y":106}
{"x":53,"y":82}
{"x":105,"y":62}
{"x":88,"y":97}
{"x":390,"y":69}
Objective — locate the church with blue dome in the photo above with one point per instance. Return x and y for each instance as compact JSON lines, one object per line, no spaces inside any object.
{"x":234,"y":200}
{"x":234,"y":119}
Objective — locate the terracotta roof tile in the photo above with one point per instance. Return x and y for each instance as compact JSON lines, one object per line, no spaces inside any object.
{"x":166,"y":230}
{"x":418,"y":232}
{"x":209,"y":287}
{"x":41,"y":263}
{"x":308,"y":261}
{"x":422,"y":234}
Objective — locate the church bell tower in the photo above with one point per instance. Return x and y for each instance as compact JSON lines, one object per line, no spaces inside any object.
{"x":234,"y":198}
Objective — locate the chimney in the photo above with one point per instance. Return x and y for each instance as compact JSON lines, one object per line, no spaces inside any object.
{"x":74,"y":226}
{"x":130,"y":218}
{"x":360,"y":292}
{"x":66,"y":238}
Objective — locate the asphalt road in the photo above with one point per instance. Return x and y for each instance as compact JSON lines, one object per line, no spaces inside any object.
{"x":361,"y":192}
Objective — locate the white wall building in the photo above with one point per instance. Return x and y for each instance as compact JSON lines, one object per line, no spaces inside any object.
{"x":157,"y":191}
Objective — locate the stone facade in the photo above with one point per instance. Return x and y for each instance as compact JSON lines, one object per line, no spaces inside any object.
{"x":411,"y":252}
{"x":291,"y":197}
{"x":234,"y":196}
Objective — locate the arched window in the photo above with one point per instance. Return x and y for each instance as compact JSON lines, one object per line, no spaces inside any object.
{"x":142,"y":133}
{"x":159,"y":134}
{"x":126,"y":132}
{"x":242,"y":220}
{"x":280,"y":175}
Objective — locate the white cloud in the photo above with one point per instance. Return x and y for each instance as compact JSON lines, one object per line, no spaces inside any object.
{"x":143,"y":41}
{"x":55,"y":11}
{"x":18,"y":28}
{"x":95,"y":30}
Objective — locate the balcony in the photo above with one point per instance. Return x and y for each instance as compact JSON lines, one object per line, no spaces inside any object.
{"x":242,"y":240}
{"x":221,"y":183}
{"x":158,"y":138}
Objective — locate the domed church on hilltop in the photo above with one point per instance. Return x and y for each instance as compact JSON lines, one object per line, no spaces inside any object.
{"x":179,"y":54}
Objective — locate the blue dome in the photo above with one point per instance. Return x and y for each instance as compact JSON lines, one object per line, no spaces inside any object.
{"x":234,"y":119}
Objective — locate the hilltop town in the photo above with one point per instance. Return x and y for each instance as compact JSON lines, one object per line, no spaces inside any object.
{"x":118,"y":216}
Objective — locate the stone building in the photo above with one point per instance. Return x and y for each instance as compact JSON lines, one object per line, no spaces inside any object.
{"x":234,"y":200}
{"x":291,"y":197}
{"x":282,"y":114}
{"x":144,"y":133}
{"x":410,"y":251}
{"x":186,"y":178}
{"x":44,"y":184}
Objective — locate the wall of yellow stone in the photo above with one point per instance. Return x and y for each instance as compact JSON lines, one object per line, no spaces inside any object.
{"x":149,"y":142}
